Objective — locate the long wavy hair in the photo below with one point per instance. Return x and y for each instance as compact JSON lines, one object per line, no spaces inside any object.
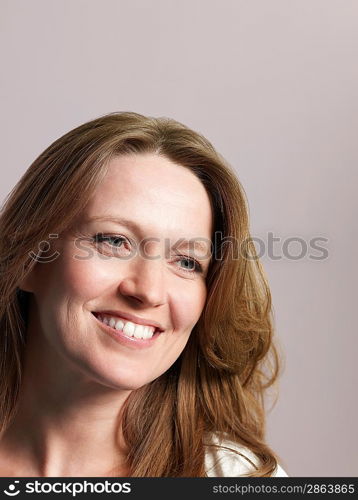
{"x":217,"y":385}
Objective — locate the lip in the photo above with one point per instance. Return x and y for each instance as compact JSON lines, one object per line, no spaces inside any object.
{"x":124,"y":339}
{"x":133,"y":318}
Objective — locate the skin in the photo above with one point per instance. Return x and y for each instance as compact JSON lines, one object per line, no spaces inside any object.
{"x":76,"y":377}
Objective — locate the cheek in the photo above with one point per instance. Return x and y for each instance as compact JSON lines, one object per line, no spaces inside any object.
{"x":188,"y":304}
{"x":84,"y":275}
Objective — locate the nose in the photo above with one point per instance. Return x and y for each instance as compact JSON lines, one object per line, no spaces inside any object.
{"x":144,"y":284}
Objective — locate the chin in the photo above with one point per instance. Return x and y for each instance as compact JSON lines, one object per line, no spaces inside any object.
{"x":123,"y":385}
{"x":124,"y":382}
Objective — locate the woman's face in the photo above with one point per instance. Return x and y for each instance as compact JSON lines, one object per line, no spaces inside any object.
{"x":137,"y":268}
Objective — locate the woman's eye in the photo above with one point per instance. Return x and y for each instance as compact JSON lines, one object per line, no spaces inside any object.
{"x":190,"y":265}
{"x":115,"y":241}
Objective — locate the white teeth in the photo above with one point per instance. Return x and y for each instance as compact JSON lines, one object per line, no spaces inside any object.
{"x":119,"y":325}
{"x":149,"y":332}
{"x":139,"y":332}
{"x":128,"y":327}
{"x":145,"y":332}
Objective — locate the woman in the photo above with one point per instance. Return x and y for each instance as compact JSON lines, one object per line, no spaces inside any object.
{"x":135,"y":317}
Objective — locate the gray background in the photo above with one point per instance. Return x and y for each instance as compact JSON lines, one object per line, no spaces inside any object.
{"x":273,"y":84}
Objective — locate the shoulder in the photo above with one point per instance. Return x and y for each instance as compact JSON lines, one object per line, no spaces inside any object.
{"x":229,"y":459}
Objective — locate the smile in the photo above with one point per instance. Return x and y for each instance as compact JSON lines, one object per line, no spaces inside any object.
{"x":126,"y":332}
{"x":130,"y":328}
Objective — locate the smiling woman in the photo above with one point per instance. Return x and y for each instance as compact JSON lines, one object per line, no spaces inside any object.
{"x":137,"y":343}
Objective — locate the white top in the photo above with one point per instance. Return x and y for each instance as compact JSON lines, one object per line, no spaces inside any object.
{"x":226,"y":463}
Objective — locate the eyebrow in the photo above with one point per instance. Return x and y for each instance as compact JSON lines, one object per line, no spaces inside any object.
{"x":135,"y":228}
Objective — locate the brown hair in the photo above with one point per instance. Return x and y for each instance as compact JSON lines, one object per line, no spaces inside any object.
{"x":218,"y":382}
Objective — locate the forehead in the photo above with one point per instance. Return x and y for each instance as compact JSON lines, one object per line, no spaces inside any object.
{"x":156,"y":193}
